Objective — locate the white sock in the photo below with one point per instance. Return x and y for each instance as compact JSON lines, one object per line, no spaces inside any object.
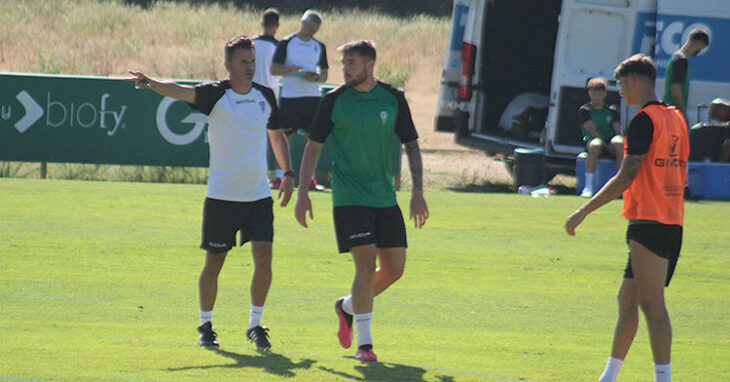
{"x":347,"y":305}
{"x":589,"y":182}
{"x":279,"y":173}
{"x":312,"y":176}
{"x":256,"y":313}
{"x":362,"y":322}
{"x":663,"y":373}
{"x":206,"y":316}
{"x":611,"y":371}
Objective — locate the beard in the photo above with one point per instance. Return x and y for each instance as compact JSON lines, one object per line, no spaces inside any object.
{"x":356,"y":80}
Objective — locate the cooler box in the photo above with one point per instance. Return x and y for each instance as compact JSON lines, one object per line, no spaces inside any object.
{"x":605,"y":170}
{"x":709,"y":180}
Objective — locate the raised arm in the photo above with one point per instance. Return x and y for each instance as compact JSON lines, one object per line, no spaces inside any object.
{"x":165,"y":88}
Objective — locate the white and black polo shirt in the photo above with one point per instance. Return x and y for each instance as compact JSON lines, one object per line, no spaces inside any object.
{"x":264,"y":48}
{"x":293,"y":51}
{"x":237,"y":125}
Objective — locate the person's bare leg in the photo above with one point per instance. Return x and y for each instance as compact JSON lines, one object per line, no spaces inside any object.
{"x":392,"y":262}
{"x":362,"y":286}
{"x":362,"y":296}
{"x":261,"y":252}
{"x":650,"y":274}
{"x":595,"y":148}
{"x":628,"y":319}
{"x":208,"y":282}
{"x":617,"y":149}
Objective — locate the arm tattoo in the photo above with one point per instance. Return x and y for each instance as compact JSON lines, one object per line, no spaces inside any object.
{"x":632,"y":163}
{"x":413,"y":152}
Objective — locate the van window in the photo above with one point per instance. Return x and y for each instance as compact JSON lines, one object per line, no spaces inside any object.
{"x":589,"y":29}
{"x":614,"y":3}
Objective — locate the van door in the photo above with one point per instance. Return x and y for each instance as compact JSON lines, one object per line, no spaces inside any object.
{"x":451,"y":75}
{"x":593,"y":37}
{"x":709,"y":74}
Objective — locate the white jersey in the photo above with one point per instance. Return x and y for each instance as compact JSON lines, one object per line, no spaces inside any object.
{"x":237,"y":125}
{"x":309,"y":55}
{"x":265,"y":47}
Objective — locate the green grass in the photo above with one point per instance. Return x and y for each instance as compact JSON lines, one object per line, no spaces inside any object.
{"x":98,"y":281}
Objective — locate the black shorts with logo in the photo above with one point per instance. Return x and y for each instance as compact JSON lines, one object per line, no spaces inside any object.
{"x":222,"y":219}
{"x":298,"y":113}
{"x":664,"y":240}
{"x":360,"y":225}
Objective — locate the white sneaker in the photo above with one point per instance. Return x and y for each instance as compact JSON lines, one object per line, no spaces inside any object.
{"x":586,"y":193}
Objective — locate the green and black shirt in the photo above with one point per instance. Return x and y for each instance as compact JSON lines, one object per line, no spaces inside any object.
{"x":361,"y":127}
{"x":677,"y":73}
{"x":603,"y":118}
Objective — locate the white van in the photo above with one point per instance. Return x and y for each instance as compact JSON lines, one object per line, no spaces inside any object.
{"x":515,"y":71}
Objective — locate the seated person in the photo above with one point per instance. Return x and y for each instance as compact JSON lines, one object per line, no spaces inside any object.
{"x":601,"y":131}
{"x":711,"y":140}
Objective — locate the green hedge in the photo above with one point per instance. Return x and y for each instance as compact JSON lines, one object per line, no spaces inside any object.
{"x":400,"y":8}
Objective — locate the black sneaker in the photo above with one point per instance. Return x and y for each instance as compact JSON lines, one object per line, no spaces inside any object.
{"x":260,"y":336}
{"x":207,"y":335}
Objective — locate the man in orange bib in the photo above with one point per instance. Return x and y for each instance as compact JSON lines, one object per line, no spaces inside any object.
{"x":652,"y":177}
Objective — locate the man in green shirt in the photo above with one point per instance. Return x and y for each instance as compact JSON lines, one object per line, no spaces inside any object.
{"x":676,"y":81}
{"x":360,"y":117}
{"x":599,"y":124}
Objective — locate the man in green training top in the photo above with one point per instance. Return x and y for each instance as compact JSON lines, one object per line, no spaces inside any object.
{"x":676,"y":80}
{"x":599,"y":124}
{"x":360,"y":117}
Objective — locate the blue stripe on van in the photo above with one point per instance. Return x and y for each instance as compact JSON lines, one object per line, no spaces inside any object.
{"x":459,"y":25}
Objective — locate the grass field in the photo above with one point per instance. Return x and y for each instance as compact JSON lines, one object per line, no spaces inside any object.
{"x":98,"y":281}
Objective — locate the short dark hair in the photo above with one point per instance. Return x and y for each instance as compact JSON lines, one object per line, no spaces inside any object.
{"x":365,"y":48}
{"x":699,"y":34}
{"x":270,"y":17}
{"x":238,"y":42}
{"x":638,"y":64}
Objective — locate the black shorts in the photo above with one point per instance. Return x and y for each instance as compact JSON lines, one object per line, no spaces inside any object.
{"x":222,"y":219}
{"x":298,"y":113}
{"x":662,"y":239}
{"x":360,"y":225}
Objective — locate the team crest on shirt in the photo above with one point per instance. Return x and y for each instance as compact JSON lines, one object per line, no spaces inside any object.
{"x":262,"y":105}
{"x":383,"y":116}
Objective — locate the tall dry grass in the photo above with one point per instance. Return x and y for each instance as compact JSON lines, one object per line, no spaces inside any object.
{"x":177,"y":40}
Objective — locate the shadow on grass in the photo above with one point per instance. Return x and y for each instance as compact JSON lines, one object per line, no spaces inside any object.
{"x":271,"y":363}
{"x":385,"y":371}
{"x":505,"y":188}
